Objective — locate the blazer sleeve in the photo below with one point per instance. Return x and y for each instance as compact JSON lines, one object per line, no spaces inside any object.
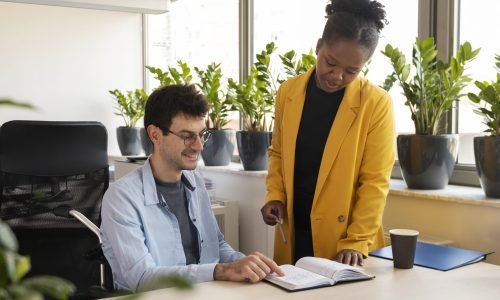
{"x":275,"y":186}
{"x":373,"y":179}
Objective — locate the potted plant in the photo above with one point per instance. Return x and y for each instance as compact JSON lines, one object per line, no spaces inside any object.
{"x":218,"y":150}
{"x":487,"y":148}
{"x":172,"y":75}
{"x":132,"y":140}
{"x":14,"y":267}
{"x":428,"y":157}
{"x":254,"y":98}
{"x":294,"y":66}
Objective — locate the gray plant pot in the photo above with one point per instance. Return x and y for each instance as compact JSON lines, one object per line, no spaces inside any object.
{"x":147,"y":145}
{"x":252,"y":147}
{"x":129,"y":140}
{"x":219,"y":148}
{"x":427,"y":161}
{"x":487,"y":155}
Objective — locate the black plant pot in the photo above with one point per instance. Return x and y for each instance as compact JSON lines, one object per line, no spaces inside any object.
{"x":427,"y":161}
{"x":219,"y":148}
{"x":252,"y":147}
{"x":487,"y":154}
{"x":129,"y":140}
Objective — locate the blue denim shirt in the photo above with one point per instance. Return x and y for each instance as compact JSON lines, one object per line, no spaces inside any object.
{"x":141,"y":237}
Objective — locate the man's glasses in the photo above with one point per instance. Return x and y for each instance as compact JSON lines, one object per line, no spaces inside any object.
{"x":190,"y":138}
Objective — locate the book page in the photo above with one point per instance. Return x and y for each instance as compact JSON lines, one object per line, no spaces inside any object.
{"x":331,"y":269}
{"x":297,"y":278}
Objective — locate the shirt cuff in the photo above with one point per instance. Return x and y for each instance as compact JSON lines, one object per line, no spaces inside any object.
{"x":206,"y":272}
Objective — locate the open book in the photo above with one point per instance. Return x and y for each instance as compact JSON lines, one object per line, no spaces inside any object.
{"x":313,"y":272}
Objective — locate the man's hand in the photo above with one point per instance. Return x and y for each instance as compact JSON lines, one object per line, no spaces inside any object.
{"x":350,"y":257}
{"x":273,"y":212}
{"x":252,"y":268}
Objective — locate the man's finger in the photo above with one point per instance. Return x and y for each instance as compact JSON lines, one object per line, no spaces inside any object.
{"x":261,"y":269}
{"x":249,"y":273}
{"x":271,"y":264}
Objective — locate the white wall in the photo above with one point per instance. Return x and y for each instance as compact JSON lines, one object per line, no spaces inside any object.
{"x":470,"y":225}
{"x":64,"y":61}
{"x":249,"y":189}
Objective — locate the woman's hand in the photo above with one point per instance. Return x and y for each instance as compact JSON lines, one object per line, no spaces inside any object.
{"x":350,"y":257}
{"x":273,"y":212}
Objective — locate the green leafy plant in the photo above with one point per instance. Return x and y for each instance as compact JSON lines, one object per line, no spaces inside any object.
{"x":172,"y":75}
{"x":10,"y":102}
{"x":219,"y":102}
{"x":130,"y":106}
{"x":488,"y":101}
{"x":434,"y":86}
{"x":255,"y":96}
{"x":14,"y":267}
{"x":293,"y":65}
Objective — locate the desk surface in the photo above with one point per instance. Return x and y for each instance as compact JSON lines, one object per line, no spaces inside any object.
{"x":476,"y":281}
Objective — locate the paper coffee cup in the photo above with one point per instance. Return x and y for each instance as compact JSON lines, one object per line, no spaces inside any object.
{"x":403,"y":244}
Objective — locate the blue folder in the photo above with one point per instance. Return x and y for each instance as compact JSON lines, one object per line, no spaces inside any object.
{"x":437,"y":257}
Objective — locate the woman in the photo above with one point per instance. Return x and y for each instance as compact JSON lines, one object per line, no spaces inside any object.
{"x":332,"y":147}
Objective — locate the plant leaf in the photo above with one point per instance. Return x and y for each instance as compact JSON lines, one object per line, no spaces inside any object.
{"x":435,"y":85}
{"x":10,"y":102}
{"x":54,"y":287}
{"x":23,"y":266}
{"x":8,"y":240}
{"x":19,"y":291}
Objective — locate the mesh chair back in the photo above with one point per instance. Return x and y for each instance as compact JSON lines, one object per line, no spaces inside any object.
{"x":44,"y":164}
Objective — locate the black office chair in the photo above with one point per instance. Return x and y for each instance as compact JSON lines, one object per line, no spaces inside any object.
{"x":105,"y":288}
{"x":44,"y":165}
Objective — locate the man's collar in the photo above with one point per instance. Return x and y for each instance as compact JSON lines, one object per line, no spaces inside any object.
{"x":187,"y":182}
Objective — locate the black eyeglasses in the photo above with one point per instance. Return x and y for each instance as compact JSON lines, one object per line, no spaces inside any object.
{"x":190,"y":138}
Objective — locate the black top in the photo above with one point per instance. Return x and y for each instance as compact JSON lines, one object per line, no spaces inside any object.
{"x":174,"y":195}
{"x":320,"y":109}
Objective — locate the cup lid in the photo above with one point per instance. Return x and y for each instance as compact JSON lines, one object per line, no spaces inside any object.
{"x":408,"y":232}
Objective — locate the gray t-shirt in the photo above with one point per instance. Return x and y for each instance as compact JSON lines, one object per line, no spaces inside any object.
{"x":175,"y":198}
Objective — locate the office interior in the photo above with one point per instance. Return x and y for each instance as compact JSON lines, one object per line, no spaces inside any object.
{"x":64,"y":56}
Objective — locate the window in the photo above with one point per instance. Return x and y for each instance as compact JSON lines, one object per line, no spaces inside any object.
{"x":291,"y":24}
{"x":195,"y":32}
{"x":297,"y":25}
{"x":477,"y":24}
{"x":401,"y":32}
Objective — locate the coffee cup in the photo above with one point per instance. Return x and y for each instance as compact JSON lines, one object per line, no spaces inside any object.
{"x":403,"y":244}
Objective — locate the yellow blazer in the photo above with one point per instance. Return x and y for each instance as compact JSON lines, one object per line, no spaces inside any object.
{"x":353,"y":179}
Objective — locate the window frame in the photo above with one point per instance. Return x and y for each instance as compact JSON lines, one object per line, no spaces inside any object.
{"x":436,"y":18}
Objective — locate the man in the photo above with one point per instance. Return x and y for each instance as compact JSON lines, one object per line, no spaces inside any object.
{"x":157,"y":220}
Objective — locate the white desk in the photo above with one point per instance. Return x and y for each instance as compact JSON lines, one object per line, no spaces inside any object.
{"x":225,"y":211}
{"x":477,"y":281}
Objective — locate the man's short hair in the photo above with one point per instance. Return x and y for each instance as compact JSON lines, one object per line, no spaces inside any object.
{"x":167,"y":102}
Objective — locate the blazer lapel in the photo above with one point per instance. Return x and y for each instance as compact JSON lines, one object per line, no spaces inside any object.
{"x":346,"y":115}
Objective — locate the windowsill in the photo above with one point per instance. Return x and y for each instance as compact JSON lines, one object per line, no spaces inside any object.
{"x":452,"y":193}
{"x":234,"y":168}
